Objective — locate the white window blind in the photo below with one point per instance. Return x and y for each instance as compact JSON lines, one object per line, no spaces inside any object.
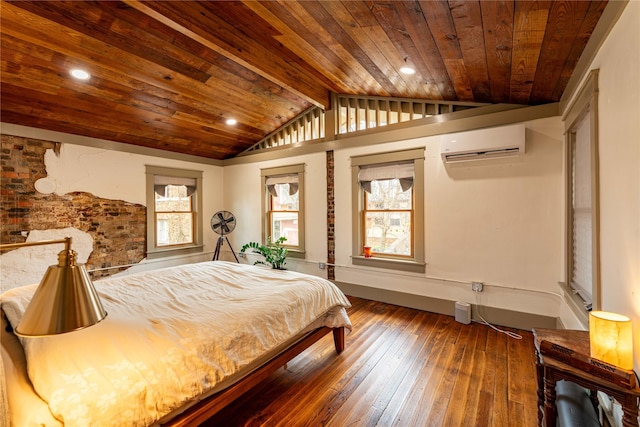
{"x":582,"y":212}
{"x":291,"y":179}
{"x":160,"y":183}
{"x":403,"y":171}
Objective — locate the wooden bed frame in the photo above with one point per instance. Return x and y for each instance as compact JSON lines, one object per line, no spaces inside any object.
{"x":208,"y":407}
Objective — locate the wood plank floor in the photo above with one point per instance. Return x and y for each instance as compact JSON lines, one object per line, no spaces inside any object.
{"x":401,"y":367}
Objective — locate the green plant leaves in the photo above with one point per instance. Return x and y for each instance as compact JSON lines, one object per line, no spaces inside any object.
{"x":273,"y":252}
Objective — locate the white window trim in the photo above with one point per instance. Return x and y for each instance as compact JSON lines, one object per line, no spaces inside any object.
{"x":298,"y":251}
{"x":154,"y":252}
{"x":415,"y":264}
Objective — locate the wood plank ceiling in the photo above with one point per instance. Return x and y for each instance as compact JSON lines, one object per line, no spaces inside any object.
{"x":168,"y":74}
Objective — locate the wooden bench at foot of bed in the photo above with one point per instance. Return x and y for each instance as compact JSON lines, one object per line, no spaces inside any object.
{"x":208,"y":407}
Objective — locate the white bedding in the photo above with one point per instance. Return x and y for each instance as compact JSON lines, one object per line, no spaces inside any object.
{"x":170,"y":336}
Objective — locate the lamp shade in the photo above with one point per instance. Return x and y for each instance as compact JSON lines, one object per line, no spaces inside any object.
{"x":610,"y":337}
{"x":65,"y":301}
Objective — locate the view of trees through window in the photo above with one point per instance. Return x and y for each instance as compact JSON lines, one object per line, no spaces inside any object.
{"x":174,"y":216}
{"x":284,"y":215}
{"x":388,"y":218}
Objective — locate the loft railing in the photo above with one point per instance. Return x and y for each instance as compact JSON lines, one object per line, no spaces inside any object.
{"x":355,"y":114}
{"x":308,"y":126}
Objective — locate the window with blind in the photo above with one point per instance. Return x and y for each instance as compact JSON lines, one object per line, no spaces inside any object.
{"x":583,"y":253}
{"x":173,"y":203}
{"x":581,"y":212}
{"x":283,"y":206}
{"x":388,"y":210}
{"x":174,"y":211}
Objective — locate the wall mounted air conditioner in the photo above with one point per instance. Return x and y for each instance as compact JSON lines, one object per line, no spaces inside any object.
{"x":482,"y":144}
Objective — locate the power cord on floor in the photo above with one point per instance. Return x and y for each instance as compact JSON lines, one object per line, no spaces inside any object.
{"x":484,"y":322}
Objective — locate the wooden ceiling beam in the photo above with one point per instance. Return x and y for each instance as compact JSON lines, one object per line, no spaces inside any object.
{"x":309,"y":92}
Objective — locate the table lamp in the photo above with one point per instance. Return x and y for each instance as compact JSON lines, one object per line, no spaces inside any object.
{"x":65,"y":301}
{"x":610,"y":338}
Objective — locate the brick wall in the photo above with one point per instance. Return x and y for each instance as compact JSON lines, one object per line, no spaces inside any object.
{"x":117,"y":227}
{"x":331,"y":219}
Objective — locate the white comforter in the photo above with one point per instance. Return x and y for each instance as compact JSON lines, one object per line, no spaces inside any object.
{"x":170,"y":335}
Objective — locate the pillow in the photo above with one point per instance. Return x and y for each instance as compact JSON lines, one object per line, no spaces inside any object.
{"x":14,"y":302}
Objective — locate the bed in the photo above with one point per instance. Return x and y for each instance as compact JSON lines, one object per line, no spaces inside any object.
{"x":178,"y":344}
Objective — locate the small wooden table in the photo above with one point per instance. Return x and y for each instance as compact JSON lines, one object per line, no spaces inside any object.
{"x":550,"y":370}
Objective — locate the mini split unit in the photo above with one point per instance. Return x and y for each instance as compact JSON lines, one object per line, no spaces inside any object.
{"x":483,"y":144}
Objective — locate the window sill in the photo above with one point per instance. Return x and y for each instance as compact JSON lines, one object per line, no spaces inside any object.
{"x":169,"y":252}
{"x":390,"y":264}
{"x":575,"y":303}
{"x":293,"y":253}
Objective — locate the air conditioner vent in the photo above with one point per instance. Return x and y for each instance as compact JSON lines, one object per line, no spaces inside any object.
{"x":483,"y":144}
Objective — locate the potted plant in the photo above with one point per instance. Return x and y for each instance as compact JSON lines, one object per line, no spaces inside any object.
{"x":273,"y":252}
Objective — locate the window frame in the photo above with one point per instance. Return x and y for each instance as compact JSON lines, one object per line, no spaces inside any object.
{"x":585,"y":103}
{"x":415,"y":263}
{"x":153,"y":251}
{"x":294,"y":251}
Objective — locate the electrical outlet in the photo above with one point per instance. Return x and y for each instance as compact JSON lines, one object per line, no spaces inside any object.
{"x":321,"y":265}
{"x":477,"y":286}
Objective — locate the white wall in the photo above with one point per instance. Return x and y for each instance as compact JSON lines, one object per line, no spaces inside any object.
{"x":104,"y":173}
{"x":619,"y":150}
{"x":496,"y":221}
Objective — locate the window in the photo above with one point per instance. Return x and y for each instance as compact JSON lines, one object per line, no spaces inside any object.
{"x":583,"y":258}
{"x":388,"y":210}
{"x":173,"y":203}
{"x":283,"y":206}
{"x":581,"y":211}
{"x":175,"y":215}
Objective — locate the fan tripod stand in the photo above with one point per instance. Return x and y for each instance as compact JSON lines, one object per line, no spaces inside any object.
{"x":219,"y":245}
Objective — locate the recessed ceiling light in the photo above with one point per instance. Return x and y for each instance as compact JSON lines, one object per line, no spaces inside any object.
{"x":231,"y":121}
{"x":80,"y":74}
{"x":407,"y":70}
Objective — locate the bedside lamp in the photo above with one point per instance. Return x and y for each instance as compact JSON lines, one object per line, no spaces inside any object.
{"x":65,"y":301}
{"x":610,"y":337}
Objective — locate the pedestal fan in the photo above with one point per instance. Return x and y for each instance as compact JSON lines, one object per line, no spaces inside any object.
{"x":223,"y":223}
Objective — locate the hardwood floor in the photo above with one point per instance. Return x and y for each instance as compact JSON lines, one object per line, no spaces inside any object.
{"x":401,"y":367}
